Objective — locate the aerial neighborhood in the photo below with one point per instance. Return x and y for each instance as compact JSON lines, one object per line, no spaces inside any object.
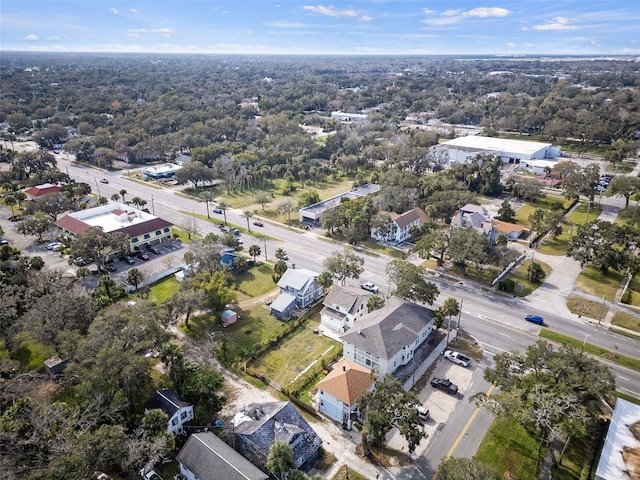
{"x":238,"y":267}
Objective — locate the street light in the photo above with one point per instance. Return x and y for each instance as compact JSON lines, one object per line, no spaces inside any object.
{"x":583,"y":344}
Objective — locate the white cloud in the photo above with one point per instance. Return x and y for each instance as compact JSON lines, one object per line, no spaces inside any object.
{"x":163,"y":32}
{"x":428,"y":11}
{"x":54,"y":38}
{"x":133,"y":10}
{"x":450,"y":13}
{"x":114,"y":11}
{"x":484,"y":12}
{"x":511,"y":44}
{"x":336,"y":13}
{"x":557,"y":23}
{"x":31,"y":38}
{"x":136,"y":32}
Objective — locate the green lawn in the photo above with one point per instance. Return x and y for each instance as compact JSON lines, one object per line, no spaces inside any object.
{"x":573,"y":461}
{"x":591,"y":349}
{"x":32,"y":355}
{"x":593,"y":281}
{"x":627,"y":321}
{"x":483,"y":274}
{"x":583,"y":214}
{"x":255,"y":281}
{"x":520,"y":276}
{"x":507,"y":447}
{"x":621,"y":167}
{"x":163,"y":289}
{"x":297,"y":352}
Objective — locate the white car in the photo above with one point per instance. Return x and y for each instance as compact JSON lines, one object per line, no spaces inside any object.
{"x":370,"y":286}
{"x":457,"y":357}
{"x":54,"y":245}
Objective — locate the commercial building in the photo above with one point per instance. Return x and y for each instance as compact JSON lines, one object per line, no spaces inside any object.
{"x":142,"y":228}
{"x":313,"y":214}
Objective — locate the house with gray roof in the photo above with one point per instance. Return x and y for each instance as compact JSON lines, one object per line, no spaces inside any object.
{"x":175,"y":406}
{"x":260,"y":425}
{"x":206,"y":457}
{"x":386,"y":339}
{"x":342,"y":307}
{"x":299,"y":288}
{"x":473,"y":216}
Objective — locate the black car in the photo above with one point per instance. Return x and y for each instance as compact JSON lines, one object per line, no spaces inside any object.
{"x":445,"y":385}
{"x":154,"y":250}
{"x":110,"y":267}
{"x":217,"y":210}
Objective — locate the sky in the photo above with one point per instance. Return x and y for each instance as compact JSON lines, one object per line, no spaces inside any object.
{"x":365,"y":27}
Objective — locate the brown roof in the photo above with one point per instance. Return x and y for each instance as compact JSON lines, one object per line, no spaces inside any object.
{"x":347,"y":381}
{"x":118,"y":212}
{"x":407,"y":217}
{"x":72,"y":225}
{"x":40,"y":190}
{"x":505,"y":227}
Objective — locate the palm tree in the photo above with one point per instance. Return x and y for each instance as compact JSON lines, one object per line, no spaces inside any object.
{"x":281,"y":253}
{"x":254,"y":251}
{"x":206,"y":196}
{"x":325,"y":279}
{"x":137,"y":201}
{"x":450,"y":307}
{"x":223,"y":206}
{"x":135,"y":277}
{"x":247,"y":214}
{"x":123,"y":192}
{"x":280,"y":459}
{"x":115,"y":197}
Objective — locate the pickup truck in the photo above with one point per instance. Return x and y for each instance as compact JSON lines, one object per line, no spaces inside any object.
{"x":457,"y":357}
{"x":445,"y":385}
{"x":370,"y":286}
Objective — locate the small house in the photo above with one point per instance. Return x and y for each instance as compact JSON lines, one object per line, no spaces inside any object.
{"x":299,"y":288}
{"x":38,"y":191}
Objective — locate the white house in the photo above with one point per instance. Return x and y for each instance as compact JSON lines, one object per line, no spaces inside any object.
{"x":207,"y":457}
{"x":342,"y":307}
{"x":340,"y":389}
{"x":621,"y":448}
{"x":402,"y":225}
{"x":386,"y":339}
{"x":176,"y":407}
{"x":299,"y":288}
{"x":473,"y":216}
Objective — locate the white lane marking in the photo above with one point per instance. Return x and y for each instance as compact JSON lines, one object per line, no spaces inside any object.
{"x":493,"y":346}
{"x":504,"y":334}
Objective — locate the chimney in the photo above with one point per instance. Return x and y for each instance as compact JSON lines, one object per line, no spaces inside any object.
{"x":344,"y":367}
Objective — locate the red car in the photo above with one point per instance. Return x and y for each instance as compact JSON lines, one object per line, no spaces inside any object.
{"x":143,"y":256}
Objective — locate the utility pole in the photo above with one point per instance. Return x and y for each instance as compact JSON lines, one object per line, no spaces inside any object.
{"x":97,"y":186}
{"x":264,"y":240}
{"x":531,"y":268}
{"x":153,"y":208}
{"x":459,"y":314}
{"x":601,"y":311}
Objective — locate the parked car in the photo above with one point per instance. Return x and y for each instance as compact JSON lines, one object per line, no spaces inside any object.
{"x":143,"y":256}
{"x":445,"y":385}
{"x":457,"y":357}
{"x":223,"y":228}
{"x":4,"y":241}
{"x":104,"y":180}
{"x":110,"y":267}
{"x":81,"y":262}
{"x":258,"y":223}
{"x":55,"y":245}
{"x":129,"y":260}
{"x":370,"y":286}
{"x":537,"y":319}
{"x":154,"y":250}
{"x":217,"y":210}
{"x":422,"y":411}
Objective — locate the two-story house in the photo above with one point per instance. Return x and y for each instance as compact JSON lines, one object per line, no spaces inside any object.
{"x":299,"y":288}
{"x":175,"y":406}
{"x":473,"y":216}
{"x":386,"y":339}
{"x":339,"y":391}
{"x":403,"y":225}
{"x":342,"y":307}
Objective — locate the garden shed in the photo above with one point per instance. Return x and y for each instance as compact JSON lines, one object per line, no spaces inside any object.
{"x":228,"y":317}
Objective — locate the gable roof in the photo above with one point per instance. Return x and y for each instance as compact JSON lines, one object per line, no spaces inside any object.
{"x":386,"y":331}
{"x":209,"y":458}
{"x":349,"y":300}
{"x":283,"y":301}
{"x":408,"y":217}
{"x":271,"y":422}
{"x":296,"y":278}
{"x":473,"y":208}
{"x":347,"y":381}
{"x":168,"y":401}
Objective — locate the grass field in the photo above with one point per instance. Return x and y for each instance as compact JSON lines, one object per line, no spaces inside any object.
{"x":520,"y":276}
{"x":584,"y":213}
{"x":621,"y":167}
{"x":593,"y":281}
{"x":163,"y":289}
{"x":255,"y":281}
{"x":591,"y":349}
{"x":510,"y":450}
{"x":586,"y":308}
{"x":624,"y":320}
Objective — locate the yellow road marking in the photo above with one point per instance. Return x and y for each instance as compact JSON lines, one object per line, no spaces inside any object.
{"x":464,"y":431}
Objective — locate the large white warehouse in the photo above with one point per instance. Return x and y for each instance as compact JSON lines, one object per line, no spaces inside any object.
{"x":511,"y":151}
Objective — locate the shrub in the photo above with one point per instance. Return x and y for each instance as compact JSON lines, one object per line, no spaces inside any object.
{"x":507,"y":285}
{"x":626,"y":296}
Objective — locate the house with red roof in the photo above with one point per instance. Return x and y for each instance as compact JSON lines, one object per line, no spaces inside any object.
{"x":339,"y":391}
{"x":39,"y":190}
{"x":403,"y":225}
